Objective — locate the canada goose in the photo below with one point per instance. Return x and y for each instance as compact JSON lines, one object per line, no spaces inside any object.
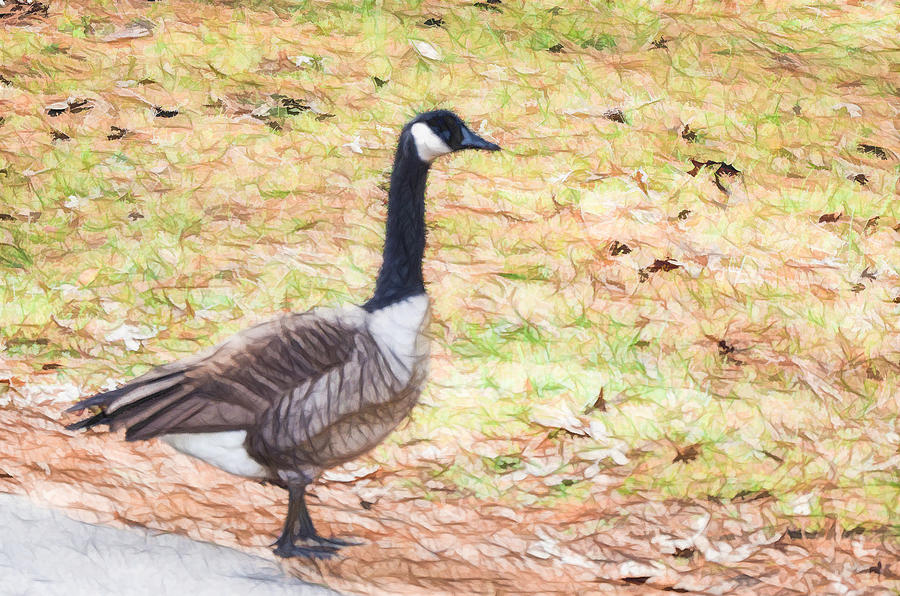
{"x":291,"y":397}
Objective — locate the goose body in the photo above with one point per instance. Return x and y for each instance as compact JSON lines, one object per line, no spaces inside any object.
{"x":293,"y":396}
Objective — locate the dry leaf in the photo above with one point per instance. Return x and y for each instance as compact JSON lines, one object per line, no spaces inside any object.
{"x":426,"y":50}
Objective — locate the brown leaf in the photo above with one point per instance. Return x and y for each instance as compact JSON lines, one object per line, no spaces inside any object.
{"x":688,"y":135}
{"x":636,"y":580}
{"x":116,"y":133}
{"x":616,"y":115}
{"x":488,"y":5}
{"x":726,"y":351}
{"x":599,"y":403}
{"x":79,"y":105}
{"x":872,"y":223}
{"x":663,"y":265}
{"x":722,"y":169}
{"x":160,"y":112}
{"x":771,"y":455}
{"x":658,"y":265}
{"x":860,"y":179}
{"x":20,"y":12}
{"x":617,"y":248}
{"x":686,"y":553}
{"x":745,"y":496}
{"x":689,"y":453}
{"x":798,"y":534}
{"x":831,"y":217}
{"x":873,"y":373}
{"x":875,"y":150}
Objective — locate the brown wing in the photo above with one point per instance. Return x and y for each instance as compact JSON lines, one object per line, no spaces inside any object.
{"x":231,"y":385}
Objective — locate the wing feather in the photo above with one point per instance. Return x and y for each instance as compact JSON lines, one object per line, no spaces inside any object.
{"x":230,"y":386}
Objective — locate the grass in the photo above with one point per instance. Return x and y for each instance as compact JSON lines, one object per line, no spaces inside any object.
{"x":191,"y":228}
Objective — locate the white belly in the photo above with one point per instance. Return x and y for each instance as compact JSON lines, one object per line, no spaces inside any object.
{"x":224,"y":450}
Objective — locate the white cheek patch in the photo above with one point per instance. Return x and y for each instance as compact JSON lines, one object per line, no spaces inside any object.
{"x":428,"y":145}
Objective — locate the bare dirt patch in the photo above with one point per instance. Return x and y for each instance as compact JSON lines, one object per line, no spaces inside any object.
{"x":618,"y":544}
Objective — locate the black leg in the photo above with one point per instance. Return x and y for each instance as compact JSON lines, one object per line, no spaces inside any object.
{"x":298,"y":528}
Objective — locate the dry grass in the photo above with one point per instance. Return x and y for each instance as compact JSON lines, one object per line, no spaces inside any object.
{"x":741,"y":328}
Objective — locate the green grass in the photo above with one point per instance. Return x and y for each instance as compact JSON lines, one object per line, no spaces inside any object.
{"x":192,"y":228}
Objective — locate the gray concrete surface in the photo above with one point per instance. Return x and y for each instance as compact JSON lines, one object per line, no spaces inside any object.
{"x":45,"y":553}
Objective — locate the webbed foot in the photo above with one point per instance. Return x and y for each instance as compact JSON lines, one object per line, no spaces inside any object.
{"x":334,"y":542}
{"x":287,"y":551}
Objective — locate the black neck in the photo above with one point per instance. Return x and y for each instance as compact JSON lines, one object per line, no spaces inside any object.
{"x":400,"y":275}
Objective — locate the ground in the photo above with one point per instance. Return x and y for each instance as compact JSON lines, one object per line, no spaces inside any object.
{"x":44,"y":552}
{"x":664,"y":342}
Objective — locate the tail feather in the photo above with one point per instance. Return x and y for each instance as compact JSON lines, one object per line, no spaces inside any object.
{"x":109,"y":398}
{"x":136,"y":401}
{"x":88,"y":422}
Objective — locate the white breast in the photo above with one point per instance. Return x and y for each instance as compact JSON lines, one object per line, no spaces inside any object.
{"x":224,"y":450}
{"x":399,"y":331}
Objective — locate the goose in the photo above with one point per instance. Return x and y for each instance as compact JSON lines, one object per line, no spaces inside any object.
{"x":285,"y":400}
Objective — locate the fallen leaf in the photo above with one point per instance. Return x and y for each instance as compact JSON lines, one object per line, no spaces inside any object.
{"x":618,"y":248}
{"x":599,"y":403}
{"x":688,"y":454}
{"x":615,"y":115}
{"x":56,"y":108}
{"x":488,"y":5}
{"x":116,"y":133}
{"x":134,"y":30}
{"x":131,"y":335}
{"x":745,"y":496}
{"x":425,"y":49}
{"x":852,"y":109}
{"x":875,"y":150}
{"x":163,"y":113}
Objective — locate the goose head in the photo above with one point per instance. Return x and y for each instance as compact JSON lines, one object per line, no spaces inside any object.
{"x":441,"y":132}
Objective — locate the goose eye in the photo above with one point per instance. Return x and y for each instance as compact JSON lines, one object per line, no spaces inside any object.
{"x":442,"y":130}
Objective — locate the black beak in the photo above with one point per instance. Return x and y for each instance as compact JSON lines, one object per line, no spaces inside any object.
{"x":470,"y":140}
